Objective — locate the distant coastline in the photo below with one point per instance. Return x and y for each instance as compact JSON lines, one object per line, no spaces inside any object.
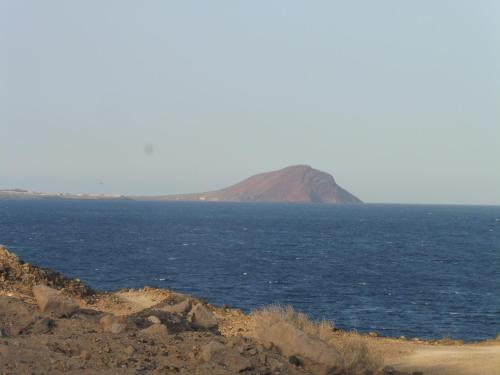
{"x":27,"y":194}
{"x":293,"y":184}
{"x":21,"y":194}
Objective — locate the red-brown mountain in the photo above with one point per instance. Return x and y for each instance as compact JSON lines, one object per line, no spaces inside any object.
{"x":298,"y":183}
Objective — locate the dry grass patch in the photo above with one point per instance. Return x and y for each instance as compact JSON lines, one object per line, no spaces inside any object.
{"x":446,"y":340}
{"x":270,"y":315}
{"x":359,"y":360}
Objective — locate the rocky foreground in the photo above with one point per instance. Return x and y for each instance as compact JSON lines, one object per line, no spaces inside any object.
{"x":51,"y":324}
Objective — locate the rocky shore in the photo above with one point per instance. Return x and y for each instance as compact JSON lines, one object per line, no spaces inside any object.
{"x":50,"y":324}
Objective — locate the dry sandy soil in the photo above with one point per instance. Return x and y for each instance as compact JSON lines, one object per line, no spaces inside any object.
{"x":151,"y":331}
{"x":464,"y":360}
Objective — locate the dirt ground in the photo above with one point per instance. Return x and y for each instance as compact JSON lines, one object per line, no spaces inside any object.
{"x":405,"y":355}
{"x":472,"y":359}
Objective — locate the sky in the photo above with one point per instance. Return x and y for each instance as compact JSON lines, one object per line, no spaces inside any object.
{"x":398,"y":100}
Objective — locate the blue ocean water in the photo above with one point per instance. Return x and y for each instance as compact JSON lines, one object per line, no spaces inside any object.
{"x":418,"y":271}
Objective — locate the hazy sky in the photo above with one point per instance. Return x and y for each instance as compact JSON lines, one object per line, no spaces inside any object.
{"x":399,"y":100}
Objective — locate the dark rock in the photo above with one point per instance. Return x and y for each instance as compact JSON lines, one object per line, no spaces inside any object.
{"x":389,"y":370}
{"x":294,"y":360}
{"x":42,"y":326}
{"x":21,"y":277}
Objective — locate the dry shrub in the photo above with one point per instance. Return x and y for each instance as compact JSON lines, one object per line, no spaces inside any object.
{"x":270,"y":315}
{"x":352,"y":347}
{"x":358,"y":358}
{"x":446,"y":340}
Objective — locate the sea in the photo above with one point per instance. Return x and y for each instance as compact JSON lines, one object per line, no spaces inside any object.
{"x":426,"y":271}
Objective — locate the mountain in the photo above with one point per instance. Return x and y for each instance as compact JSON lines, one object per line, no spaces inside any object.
{"x":298,"y":183}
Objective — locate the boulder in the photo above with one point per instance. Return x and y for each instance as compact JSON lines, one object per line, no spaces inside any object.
{"x":155,"y":330}
{"x":112,"y":324}
{"x":293,"y":342}
{"x":53,"y":301}
{"x":42,"y":326}
{"x":216,"y":352}
{"x":178,"y":308}
{"x":129,"y":350}
{"x":154,"y":319}
{"x":84,"y":355}
{"x":201,"y":317}
{"x":14,"y":316}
